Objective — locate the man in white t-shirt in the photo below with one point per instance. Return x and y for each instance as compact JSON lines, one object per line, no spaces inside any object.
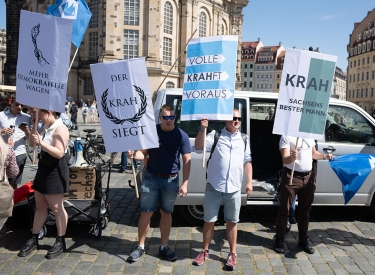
{"x":303,"y":184}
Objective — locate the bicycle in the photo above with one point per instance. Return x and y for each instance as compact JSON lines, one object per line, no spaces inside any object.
{"x":93,"y":149}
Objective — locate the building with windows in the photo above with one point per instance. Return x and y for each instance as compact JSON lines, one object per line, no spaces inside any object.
{"x":156,"y":30}
{"x":361,"y":63}
{"x":278,"y":71}
{"x":339,"y":84}
{"x":3,"y":55}
{"x":248,"y":54}
{"x":265,"y":66}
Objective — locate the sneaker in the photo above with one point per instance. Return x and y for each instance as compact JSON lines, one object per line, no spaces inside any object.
{"x":136,"y":254}
{"x":167,"y":253}
{"x":308,"y":248}
{"x":278,"y":246}
{"x":122,"y":171}
{"x":231,"y":261}
{"x":201,"y":258}
{"x":292,"y":220}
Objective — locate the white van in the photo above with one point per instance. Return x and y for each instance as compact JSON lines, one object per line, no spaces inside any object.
{"x":349,"y":130}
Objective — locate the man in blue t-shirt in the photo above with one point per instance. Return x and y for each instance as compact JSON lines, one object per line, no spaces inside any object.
{"x":161,"y":181}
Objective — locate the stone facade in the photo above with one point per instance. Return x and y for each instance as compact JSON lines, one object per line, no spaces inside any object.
{"x":339,"y":84}
{"x":361,"y":63}
{"x":156,"y":30}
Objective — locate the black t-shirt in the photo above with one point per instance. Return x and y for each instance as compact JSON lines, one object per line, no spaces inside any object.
{"x":166,"y":158}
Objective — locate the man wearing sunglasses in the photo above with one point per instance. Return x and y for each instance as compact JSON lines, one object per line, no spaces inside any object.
{"x":161,"y":181}
{"x":15,"y":135}
{"x":229,"y":159}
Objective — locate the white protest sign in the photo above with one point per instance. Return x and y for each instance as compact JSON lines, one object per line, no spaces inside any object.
{"x":124,"y":104}
{"x":43,"y":60}
{"x":209,"y":79}
{"x":305,"y":90}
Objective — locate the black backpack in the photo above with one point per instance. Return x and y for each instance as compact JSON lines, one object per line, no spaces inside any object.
{"x":216,"y":138}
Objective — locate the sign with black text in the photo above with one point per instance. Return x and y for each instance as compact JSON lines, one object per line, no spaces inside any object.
{"x":43,"y":60}
{"x":305,"y":90}
{"x":124,"y":104}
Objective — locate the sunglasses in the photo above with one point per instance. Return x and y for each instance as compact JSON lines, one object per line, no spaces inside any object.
{"x":237,"y":118}
{"x":17,"y":104}
{"x":168,"y":117}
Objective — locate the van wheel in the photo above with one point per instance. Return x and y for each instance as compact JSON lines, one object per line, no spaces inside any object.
{"x":193,"y":214}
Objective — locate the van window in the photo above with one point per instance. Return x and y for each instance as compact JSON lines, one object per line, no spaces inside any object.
{"x":191,"y":127}
{"x":262,"y":110}
{"x":346,"y":125}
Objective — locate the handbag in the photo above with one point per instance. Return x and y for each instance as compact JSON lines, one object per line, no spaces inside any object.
{"x":6,"y":197}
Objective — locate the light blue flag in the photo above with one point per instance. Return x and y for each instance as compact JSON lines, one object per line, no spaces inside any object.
{"x":352,"y":170}
{"x":76,"y":10}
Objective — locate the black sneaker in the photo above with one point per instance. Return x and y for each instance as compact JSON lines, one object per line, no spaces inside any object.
{"x":278,"y":246}
{"x":136,"y":254}
{"x":167,"y":253}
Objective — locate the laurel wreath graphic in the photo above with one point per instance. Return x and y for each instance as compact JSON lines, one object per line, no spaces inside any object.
{"x":135,"y":118}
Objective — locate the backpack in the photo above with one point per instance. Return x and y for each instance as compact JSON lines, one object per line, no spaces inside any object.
{"x":85,"y":110}
{"x":216,"y":139}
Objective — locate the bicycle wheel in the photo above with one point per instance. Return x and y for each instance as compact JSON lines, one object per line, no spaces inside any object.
{"x":91,"y":154}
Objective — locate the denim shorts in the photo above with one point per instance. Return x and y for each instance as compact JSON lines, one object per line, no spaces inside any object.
{"x":153,"y":188}
{"x":212,"y":201}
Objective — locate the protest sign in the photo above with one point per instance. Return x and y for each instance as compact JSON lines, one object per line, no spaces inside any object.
{"x":210,"y":77}
{"x":43,"y":60}
{"x":82,"y":182}
{"x":124,"y":104}
{"x":305,"y":89}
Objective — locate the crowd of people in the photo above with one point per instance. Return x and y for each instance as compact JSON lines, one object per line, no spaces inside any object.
{"x":88,"y":110}
{"x":230,"y":159}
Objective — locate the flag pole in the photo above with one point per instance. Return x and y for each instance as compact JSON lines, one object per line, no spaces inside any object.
{"x":74,"y":57}
{"x":135,"y":178}
{"x":176,"y":60}
{"x":294,"y":163}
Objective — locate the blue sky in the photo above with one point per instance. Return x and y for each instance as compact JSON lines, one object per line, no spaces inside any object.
{"x":320,"y":23}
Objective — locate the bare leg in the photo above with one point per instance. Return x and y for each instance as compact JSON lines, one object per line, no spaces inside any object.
{"x":165,"y":226}
{"x":208,"y":232}
{"x":56,"y":205}
{"x":41,"y":212}
{"x":143,"y":226}
{"x":232,"y":236}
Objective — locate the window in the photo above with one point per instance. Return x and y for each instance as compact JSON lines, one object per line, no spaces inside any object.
{"x":93,"y":45}
{"x":262,"y":76}
{"x":250,"y":84}
{"x":257,"y":75}
{"x":363,"y":76}
{"x":270,"y":86}
{"x":372,"y":92}
{"x":131,"y":12}
{"x":245,"y":74}
{"x":265,"y":86}
{"x":367,"y":75}
{"x":357,"y":93}
{"x":251,"y":74}
{"x":88,"y":86}
{"x":168,"y":18}
{"x":349,"y":94}
{"x":366,"y":92}
{"x":169,"y":84}
{"x":262,"y":67}
{"x":266,"y":67}
{"x":258,"y":86}
{"x":251,"y":65}
{"x":340,"y":120}
{"x":368,"y":60}
{"x":373,"y":75}
{"x":357,"y":77}
{"x":167,"y":51}
{"x":131,"y":41}
{"x":351,"y":63}
{"x":350,"y":78}
{"x":359,"y":62}
{"x":94,"y":8}
{"x":262,"y":109}
{"x":353,"y":77}
{"x":363,"y":61}
{"x":266,"y":76}
{"x":244,"y":84}
{"x":222,"y":29}
{"x":245,"y":66}
{"x":278,"y":86}
{"x":373,"y":57}
{"x":202,"y":24}
{"x":261,"y":86}
{"x":270,"y":75}
{"x":278,"y":76}
{"x":258,"y":67}
{"x":355,"y":62}
{"x":361,"y":92}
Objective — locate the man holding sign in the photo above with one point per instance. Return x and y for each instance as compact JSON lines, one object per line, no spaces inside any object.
{"x":301,"y":114}
{"x":161,"y":181}
{"x":230,"y":151}
{"x":303,"y":184}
